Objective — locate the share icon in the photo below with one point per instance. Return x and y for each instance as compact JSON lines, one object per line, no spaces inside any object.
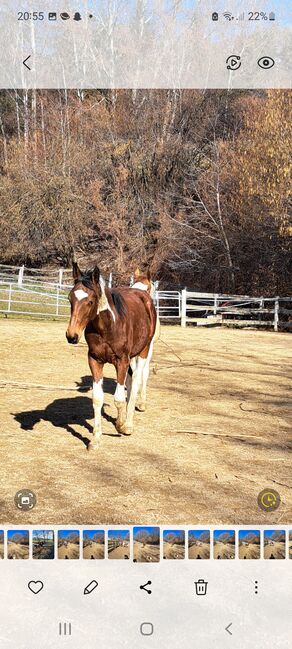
{"x":144,"y":587}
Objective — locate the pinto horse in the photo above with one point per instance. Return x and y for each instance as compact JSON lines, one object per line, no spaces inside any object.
{"x":119,"y":326}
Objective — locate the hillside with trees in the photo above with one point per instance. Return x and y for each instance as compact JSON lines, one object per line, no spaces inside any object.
{"x":195,"y":184}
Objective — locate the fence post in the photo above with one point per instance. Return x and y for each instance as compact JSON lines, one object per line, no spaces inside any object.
{"x":61,"y":276}
{"x":9,"y":298}
{"x":183,"y":307}
{"x":20,"y":275}
{"x":57,"y":305}
{"x":276,"y":314}
{"x":157,"y":303}
{"x":215,"y":303}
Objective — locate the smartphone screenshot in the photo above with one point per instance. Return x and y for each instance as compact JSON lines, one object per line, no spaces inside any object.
{"x":145,"y":324}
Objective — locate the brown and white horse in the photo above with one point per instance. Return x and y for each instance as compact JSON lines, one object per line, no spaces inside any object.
{"x":119,"y":327}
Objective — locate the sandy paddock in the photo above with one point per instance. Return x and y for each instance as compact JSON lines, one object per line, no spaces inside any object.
{"x":217,"y":430}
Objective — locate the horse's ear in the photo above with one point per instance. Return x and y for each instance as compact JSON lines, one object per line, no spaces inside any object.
{"x":95,"y":275}
{"x":137,"y":274}
{"x":148,"y":275}
{"x":76,"y":271}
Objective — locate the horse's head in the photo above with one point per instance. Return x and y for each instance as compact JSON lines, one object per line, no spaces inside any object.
{"x":84,"y":299}
{"x":143,"y":281}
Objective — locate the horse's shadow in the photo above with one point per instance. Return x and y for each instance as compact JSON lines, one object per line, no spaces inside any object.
{"x":67,"y":412}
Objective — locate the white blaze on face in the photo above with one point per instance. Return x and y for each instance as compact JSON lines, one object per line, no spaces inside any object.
{"x":80,"y":294}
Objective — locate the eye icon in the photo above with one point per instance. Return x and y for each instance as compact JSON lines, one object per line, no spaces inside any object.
{"x":266,"y":62}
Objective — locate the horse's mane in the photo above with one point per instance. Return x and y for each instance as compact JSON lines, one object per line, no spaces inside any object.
{"x":85,"y":279}
{"x":119,"y":302}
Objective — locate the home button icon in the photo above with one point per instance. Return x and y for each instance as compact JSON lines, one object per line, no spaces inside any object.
{"x":146,"y":628}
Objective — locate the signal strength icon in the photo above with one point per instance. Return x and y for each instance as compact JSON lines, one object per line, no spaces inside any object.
{"x":241,"y":16}
{"x":228,"y":15}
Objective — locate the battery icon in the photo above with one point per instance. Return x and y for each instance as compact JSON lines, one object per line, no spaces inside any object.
{"x":272,"y":16}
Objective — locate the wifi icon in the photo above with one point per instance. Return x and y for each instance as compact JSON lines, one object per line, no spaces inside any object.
{"x":228,"y":15}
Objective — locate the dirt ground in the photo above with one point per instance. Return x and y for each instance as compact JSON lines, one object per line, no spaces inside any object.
{"x":1,"y":550}
{"x":173,"y":551}
{"x":17,"y":551}
{"x":250,"y":551}
{"x":146,"y":553}
{"x":217,"y":430}
{"x":201,"y":551}
{"x":224,"y":551}
{"x":120,"y":552}
{"x":69,"y":551}
{"x":93,"y":551}
{"x":275,"y":551}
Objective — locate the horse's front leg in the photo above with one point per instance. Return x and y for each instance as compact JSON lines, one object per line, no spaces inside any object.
{"x":120,"y":397}
{"x":97,"y":398}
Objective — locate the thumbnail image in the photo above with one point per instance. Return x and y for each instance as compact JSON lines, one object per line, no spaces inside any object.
{"x":173,"y":544}
{"x":224,"y":544}
{"x":118,"y":544}
{"x":146,"y":544}
{"x":43,"y":545}
{"x":1,"y":544}
{"x":249,"y":544}
{"x":274,"y":544}
{"x":18,"y":544}
{"x":68,"y":544}
{"x":93,"y":544}
{"x":290,"y":545}
{"x":199,"y":544}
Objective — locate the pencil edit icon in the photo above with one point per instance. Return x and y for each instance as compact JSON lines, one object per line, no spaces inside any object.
{"x":90,"y":587}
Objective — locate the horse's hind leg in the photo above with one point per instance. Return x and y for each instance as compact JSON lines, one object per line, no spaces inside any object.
{"x":120,"y":396}
{"x":141,"y":405}
{"x":136,"y":382}
{"x":97,"y":398}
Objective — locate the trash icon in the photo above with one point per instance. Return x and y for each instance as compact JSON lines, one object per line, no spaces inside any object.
{"x":201,"y":587}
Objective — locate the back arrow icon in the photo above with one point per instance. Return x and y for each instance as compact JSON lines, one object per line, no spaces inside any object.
{"x":228,"y":627}
{"x":24,"y":62}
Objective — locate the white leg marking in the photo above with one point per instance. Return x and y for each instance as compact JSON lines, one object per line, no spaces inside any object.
{"x":120,"y":393}
{"x":97,"y":396}
{"x":145,"y":376}
{"x":136,"y":381}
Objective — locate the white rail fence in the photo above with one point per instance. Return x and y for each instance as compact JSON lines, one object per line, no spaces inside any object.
{"x":41,"y":298}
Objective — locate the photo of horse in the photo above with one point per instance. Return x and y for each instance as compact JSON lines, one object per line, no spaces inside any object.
{"x":145,"y":309}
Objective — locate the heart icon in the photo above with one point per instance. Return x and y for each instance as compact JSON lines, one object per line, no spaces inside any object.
{"x":35,"y":586}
